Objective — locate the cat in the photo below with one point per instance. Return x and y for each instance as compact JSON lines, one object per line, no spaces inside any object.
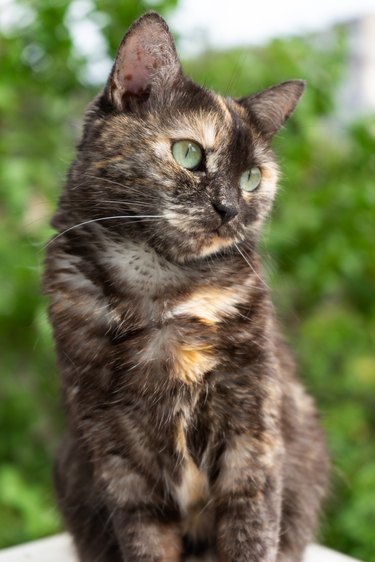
{"x":188,"y":436}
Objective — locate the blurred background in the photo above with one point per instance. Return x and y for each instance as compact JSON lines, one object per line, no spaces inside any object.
{"x":318,"y":247}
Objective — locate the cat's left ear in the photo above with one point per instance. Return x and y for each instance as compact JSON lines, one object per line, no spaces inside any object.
{"x":146,"y":60}
{"x":270,"y":108}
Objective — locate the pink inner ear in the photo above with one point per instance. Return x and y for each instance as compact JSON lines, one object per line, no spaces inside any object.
{"x":136,"y":67}
{"x":146,"y":57}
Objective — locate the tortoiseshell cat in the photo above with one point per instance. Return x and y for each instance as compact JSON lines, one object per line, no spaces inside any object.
{"x":188,"y":436}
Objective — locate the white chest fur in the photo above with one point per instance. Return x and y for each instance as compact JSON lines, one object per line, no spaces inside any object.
{"x":140,"y":267}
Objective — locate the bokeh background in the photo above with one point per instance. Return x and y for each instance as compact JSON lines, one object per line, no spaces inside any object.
{"x":318,"y":247}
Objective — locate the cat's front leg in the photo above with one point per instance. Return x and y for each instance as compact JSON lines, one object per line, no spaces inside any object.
{"x":142,"y":537}
{"x":248,"y":499}
{"x":145,"y":523}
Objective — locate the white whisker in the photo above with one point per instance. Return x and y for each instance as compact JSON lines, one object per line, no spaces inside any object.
{"x":105,"y":219}
{"x":249,"y":264}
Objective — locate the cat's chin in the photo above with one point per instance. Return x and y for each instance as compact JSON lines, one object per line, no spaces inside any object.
{"x":199,"y":250}
{"x":215,"y":244}
{"x":219,"y":240}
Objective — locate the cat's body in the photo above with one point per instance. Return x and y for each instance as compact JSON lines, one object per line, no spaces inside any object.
{"x":187,"y":432}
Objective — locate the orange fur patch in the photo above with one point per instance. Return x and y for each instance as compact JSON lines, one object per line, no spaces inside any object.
{"x":104,"y":163}
{"x":194,"y":485}
{"x":215,"y":244}
{"x":210,"y":304}
{"x":192,"y":493}
{"x":190,"y":362}
{"x":180,"y":436}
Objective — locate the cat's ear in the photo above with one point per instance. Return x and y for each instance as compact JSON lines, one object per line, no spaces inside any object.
{"x":271,"y":108}
{"x":145,"y":60}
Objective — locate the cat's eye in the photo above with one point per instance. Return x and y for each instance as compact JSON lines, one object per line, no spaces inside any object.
{"x":187,"y":153}
{"x":250,"y":179}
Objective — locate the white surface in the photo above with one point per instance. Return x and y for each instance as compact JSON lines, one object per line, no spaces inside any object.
{"x":53,"y":549}
{"x":317,"y":553}
{"x":59,"y":549}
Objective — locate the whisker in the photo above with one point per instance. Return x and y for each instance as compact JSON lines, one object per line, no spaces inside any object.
{"x":104,"y":219}
{"x":249,"y":264}
{"x":101,"y":178}
{"x":138,"y":202}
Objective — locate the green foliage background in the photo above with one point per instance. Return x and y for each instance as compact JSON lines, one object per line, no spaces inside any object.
{"x":318,"y":248}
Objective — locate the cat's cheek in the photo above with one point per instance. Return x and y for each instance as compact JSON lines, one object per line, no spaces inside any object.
{"x":178,"y":221}
{"x":270,"y":176}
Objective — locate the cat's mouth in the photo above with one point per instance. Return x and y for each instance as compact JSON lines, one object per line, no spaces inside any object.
{"x":231,"y":231}
{"x":223,"y":232}
{"x":195,"y":237}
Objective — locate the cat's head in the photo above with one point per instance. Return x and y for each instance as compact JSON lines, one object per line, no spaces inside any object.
{"x":193,"y":170}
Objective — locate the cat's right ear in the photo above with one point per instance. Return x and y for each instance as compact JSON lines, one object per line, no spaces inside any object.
{"x":145,"y":62}
{"x":270,"y":108}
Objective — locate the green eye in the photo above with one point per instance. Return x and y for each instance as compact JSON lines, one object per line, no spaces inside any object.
{"x":187,"y":153}
{"x":250,"y":179}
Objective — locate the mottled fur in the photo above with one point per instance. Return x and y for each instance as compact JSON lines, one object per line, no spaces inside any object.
{"x":188,"y":436}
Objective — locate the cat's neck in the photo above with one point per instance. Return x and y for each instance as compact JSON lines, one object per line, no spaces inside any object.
{"x":135,"y":265}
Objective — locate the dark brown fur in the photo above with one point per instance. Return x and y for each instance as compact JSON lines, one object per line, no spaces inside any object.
{"x":187,"y":431}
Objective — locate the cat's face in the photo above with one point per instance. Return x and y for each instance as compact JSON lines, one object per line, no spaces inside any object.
{"x":192,"y":170}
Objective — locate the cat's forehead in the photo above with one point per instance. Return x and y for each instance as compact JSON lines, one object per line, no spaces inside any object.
{"x":212,"y":125}
{"x":220,"y":125}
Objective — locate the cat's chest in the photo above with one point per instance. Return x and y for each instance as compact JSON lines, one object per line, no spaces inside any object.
{"x":183,"y":338}
{"x":175,"y":290}
{"x":183,"y":316}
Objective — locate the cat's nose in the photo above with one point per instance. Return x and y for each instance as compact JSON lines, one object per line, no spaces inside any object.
{"x":226,"y":211}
